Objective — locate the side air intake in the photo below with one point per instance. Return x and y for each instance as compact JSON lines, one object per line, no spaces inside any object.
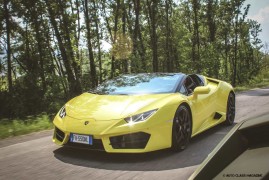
{"x":217,"y":115}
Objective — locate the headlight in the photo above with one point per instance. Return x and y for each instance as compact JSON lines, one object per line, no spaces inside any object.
{"x":140,"y":117}
{"x":62,"y":112}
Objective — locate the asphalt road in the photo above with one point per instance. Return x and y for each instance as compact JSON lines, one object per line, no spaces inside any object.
{"x":34,"y":156}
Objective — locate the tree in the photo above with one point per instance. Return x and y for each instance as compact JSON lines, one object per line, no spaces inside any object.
{"x":54,"y":48}
{"x":152,"y":20}
{"x":94,"y":81}
{"x":9,"y":70}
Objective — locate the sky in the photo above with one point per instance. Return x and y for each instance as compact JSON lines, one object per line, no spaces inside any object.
{"x":259,"y":11}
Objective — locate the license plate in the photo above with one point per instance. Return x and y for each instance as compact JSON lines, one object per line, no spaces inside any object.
{"x":83,"y":139}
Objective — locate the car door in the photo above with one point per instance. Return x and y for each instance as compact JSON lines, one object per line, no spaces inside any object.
{"x":202,"y":106}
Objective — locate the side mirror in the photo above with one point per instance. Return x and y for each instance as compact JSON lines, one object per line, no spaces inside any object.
{"x":200,"y":90}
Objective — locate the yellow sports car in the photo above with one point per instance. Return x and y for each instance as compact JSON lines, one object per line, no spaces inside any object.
{"x":138,"y":113}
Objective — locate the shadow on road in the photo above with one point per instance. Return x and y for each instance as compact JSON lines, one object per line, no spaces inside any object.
{"x":198,"y":149}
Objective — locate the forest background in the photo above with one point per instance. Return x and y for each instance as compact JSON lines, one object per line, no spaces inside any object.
{"x":53,"y":50}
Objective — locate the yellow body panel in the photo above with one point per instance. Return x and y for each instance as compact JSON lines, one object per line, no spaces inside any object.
{"x":105,"y":115}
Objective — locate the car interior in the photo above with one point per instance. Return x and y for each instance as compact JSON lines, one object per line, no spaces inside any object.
{"x":191,"y":82}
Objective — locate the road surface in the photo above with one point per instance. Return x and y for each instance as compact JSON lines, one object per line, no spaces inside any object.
{"x":34,"y":156}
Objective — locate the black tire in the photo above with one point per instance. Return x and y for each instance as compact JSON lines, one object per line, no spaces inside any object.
{"x":230,"y":113}
{"x":182,"y":128}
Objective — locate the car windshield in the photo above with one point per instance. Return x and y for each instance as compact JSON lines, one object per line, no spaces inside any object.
{"x":140,"y":84}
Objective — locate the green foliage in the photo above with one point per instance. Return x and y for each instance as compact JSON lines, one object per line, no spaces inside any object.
{"x":28,"y":98}
{"x":122,"y":48}
{"x":56,"y":46}
{"x":23,"y":126}
{"x":259,"y":81}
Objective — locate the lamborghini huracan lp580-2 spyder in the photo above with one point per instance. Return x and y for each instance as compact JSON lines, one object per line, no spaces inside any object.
{"x":139,"y":113}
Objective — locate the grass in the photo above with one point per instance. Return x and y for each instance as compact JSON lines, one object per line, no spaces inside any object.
{"x":17,"y":127}
{"x":255,"y":84}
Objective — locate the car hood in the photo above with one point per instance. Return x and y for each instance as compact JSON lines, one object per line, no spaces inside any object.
{"x":109,"y":107}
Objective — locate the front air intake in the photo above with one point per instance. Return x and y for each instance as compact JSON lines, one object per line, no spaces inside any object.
{"x":130,"y":141}
{"x":59,"y":134}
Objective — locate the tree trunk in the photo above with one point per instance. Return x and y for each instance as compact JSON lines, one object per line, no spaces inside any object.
{"x":114,"y":37}
{"x":152,"y":11}
{"x":41,"y":54}
{"x":210,"y":20}
{"x":89,"y":36}
{"x":77,"y":37}
{"x":98,"y":41}
{"x":235,"y":49}
{"x":70,"y":77}
{"x":123,"y":19}
{"x":226,"y":55}
{"x":196,"y":38}
{"x":70,"y":52}
{"x":9,"y":68}
{"x":168,"y":38}
{"x":138,"y":45}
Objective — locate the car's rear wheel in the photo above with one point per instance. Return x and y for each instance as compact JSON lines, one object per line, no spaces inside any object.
{"x":230,"y":113}
{"x":181,"y":131}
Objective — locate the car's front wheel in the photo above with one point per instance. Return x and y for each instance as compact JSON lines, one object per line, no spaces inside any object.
{"x":181,"y":131}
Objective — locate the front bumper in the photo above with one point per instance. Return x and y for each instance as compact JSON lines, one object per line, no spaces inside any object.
{"x":137,"y":140}
{"x":115,"y":137}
